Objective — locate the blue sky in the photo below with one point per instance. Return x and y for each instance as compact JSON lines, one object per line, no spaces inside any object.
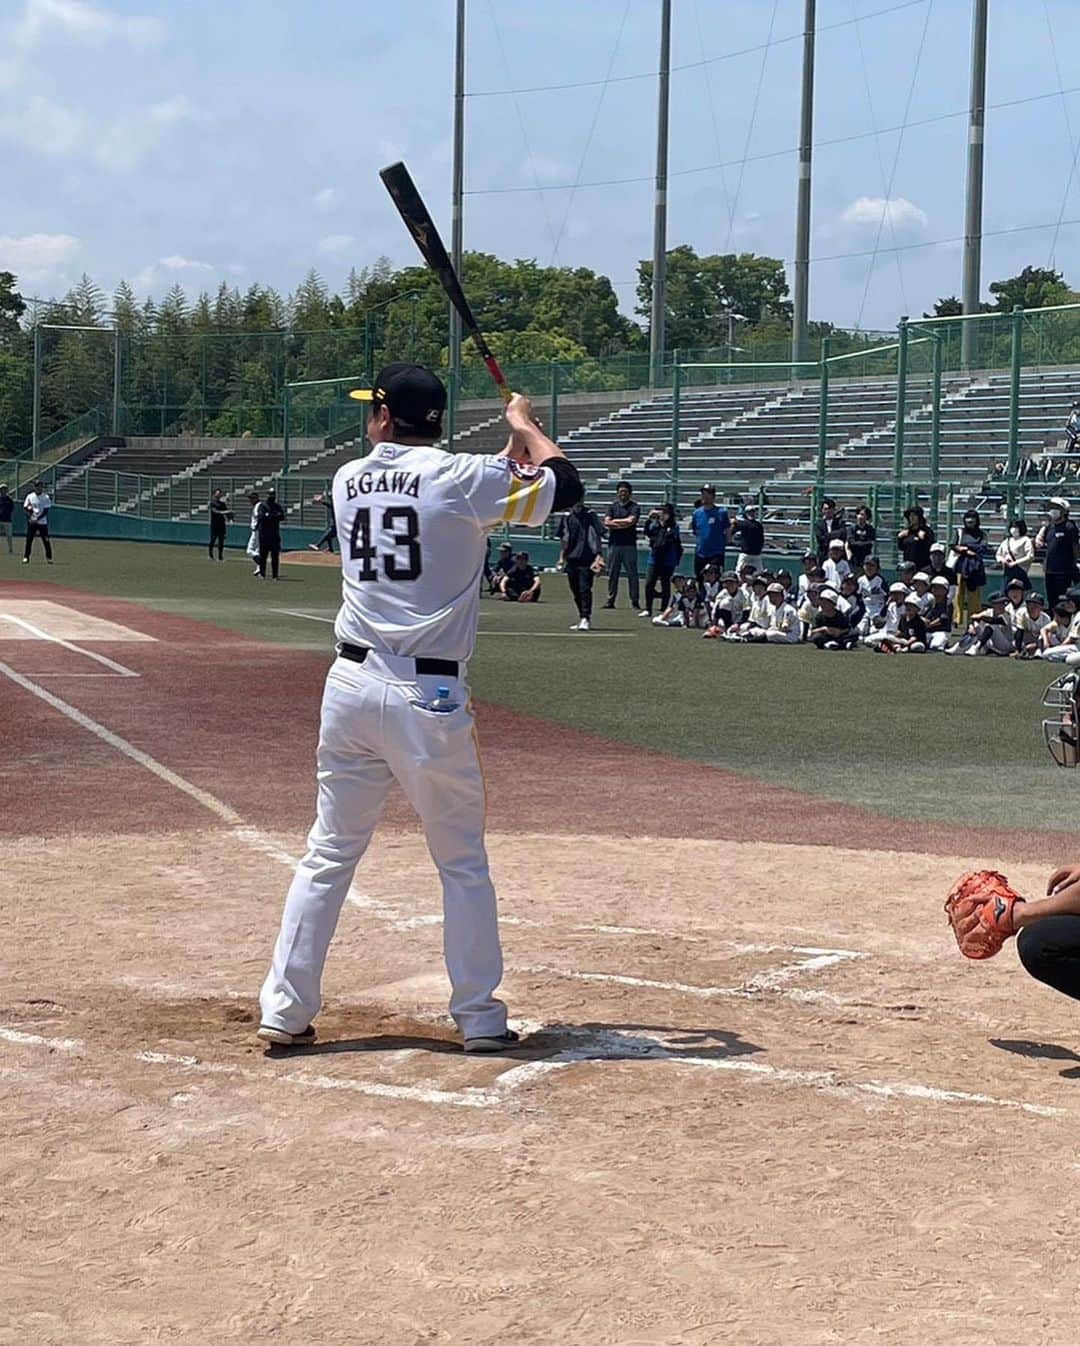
{"x":240,"y":139}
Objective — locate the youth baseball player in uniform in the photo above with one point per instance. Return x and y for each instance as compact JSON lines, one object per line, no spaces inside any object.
{"x":413,"y":523}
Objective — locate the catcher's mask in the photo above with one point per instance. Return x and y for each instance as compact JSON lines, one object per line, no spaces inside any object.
{"x":1062,"y":734}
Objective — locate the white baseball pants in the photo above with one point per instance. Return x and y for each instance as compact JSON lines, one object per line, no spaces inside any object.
{"x":372,"y":733}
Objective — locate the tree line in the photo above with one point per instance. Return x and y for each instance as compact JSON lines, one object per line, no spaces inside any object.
{"x":217,"y":363}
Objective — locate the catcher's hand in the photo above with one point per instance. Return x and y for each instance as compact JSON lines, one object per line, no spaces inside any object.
{"x":597,"y":566}
{"x":980,"y":910}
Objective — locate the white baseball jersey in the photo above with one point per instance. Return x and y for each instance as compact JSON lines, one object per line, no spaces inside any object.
{"x":38,"y":505}
{"x":413,"y":525}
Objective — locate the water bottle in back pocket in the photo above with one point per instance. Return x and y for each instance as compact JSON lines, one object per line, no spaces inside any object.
{"x":440,"y":703}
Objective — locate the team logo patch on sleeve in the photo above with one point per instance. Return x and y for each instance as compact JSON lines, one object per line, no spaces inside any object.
{"x":524,"y":471}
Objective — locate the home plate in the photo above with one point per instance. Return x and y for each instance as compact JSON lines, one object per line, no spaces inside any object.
{"x":37,"y":619}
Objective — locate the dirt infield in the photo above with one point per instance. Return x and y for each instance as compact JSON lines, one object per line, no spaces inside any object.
{"x":761,"y":1099}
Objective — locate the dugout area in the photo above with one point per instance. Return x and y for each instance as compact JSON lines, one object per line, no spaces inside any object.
{"x":761,"y":1099}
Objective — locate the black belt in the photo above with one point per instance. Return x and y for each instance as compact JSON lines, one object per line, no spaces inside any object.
{"x":445,"y":668}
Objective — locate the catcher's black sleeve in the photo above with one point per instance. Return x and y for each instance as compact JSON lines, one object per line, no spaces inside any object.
{"x":568,"y":487}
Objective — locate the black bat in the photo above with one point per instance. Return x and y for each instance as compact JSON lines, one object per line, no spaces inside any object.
{"x":419,"y":223}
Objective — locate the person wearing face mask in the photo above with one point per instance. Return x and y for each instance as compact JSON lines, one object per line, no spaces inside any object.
{"x":1015,"y":554}
{"x":1061,"y":540}
{"x":968,"y":560}
{"x":580,"y":532}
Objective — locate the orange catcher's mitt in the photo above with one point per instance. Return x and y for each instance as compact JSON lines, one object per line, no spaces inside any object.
{"x":980,"y":910}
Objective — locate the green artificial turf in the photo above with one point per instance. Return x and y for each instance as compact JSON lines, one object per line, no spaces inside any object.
{"x":915,"y":737}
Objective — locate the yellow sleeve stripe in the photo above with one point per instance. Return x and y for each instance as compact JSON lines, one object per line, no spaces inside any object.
{"x":532,"y":494}
{"x":516,"y":488}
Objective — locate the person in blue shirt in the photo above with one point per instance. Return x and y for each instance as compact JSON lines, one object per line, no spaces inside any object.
{"x":711,"y":526}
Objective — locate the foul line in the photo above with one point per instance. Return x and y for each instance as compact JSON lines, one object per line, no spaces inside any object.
{"x":67,"y":644}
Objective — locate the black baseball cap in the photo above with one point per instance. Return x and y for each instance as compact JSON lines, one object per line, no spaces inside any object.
{"x":416,"y":398}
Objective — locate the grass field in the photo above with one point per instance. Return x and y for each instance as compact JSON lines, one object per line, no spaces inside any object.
{"x":921,"y":738}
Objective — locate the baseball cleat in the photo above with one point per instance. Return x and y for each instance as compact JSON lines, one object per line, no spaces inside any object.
{"x":488,"y":1046}
{"x":280,"y":1038}
{"x":585,"y":625}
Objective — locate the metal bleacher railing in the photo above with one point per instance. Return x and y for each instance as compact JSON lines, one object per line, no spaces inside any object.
{"x":890,"y":420}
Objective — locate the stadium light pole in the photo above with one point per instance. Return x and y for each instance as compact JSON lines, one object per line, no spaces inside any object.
{"x":801,"y":304}
{"x":658,"y":308}
{"x":974,"y":200}
{"x":457,"y":193}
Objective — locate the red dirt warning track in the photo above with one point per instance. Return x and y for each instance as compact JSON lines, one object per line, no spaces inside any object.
{"x":238,"y":717}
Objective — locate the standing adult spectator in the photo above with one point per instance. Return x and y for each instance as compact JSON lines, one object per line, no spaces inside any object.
{"x":968,"y":559}
{"x":37,"y":505}
{"x":665,"y":553}
{"x":916,"y":538}
{"x":270,"y":516}
{"x":861,"y":539}
{"x":711,"y":525}
{"x":7,"y":509}
{"x":521,"y":584}
{"x":829,"y":525}
{"x":330,"y":534}
{"x":580,"y":533}
{"x":1015,"y":554}
{"x":621,"y":522}
{"x":1061,"y":539}
{"x":252,"y":547}
{"x":749,"y":532}
{"x":1072,"y":428}
{"x":220,"y":516}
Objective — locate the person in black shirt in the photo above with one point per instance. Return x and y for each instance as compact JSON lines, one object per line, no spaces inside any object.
{"x":220,"y":515}
{"x":621,"y":523}
{"x":327,"y":503}
{"x":504,"y":563}
{"x":1061,"y":539}
{"x":749,"y":533}
{"x":861,"y":537}
{"x":270,"y":516}
{"x":937,"y":566}
{"x":916,"y":538}
{"x":7,"y":510}
{"x":830,"y":525}
{"x":665,"y":553}
{"x":520,"y":584}
{"x":580,"y":533}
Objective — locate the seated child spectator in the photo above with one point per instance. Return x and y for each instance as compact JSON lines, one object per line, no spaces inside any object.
{"x":683,"y":605}
{"x":989,"y":631}
{"x":937,"y":566}
{"x":852,"y":604}
{"x":906,"y":572}
{"x":911,"y":636}
{"x":781,"y":626}
{"x":788,"y":581}
{"x":939,"y":617}
{"x":873,"y":591}
{"x":520,"y":584}
{"x":885,"y":627}
{"x":710,"y":585}
{"x":1054,"y":643}
{"x":729,"y":607}
{"x":1030,"y":626}
{"x":756,"y":615}
{"x":747,"y":571}
{"x":1015,"y":606}
{"x":836,"y":564}
{"x":831,"y":629}
{"x":920,"y":583}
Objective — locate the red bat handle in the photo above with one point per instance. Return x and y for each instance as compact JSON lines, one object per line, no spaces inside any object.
{"x":499,"y":377}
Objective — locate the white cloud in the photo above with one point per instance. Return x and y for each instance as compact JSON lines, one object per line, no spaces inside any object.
{"x":82,"y":22}
{"x":177,"y":263}
{"x":336,"y":243}
{"x":327,"y":199}
{"x":43,"y":127}
{"x":896,"y":211}
{"x":37,"y":257}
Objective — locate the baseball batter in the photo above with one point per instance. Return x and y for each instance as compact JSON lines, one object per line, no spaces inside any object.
{"x":413,"y":523}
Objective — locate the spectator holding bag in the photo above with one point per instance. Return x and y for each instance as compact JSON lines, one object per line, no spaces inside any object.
{"x":968,"y":560}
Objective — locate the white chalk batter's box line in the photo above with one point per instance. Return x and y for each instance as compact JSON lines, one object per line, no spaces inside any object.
{"x":604,"y":1048}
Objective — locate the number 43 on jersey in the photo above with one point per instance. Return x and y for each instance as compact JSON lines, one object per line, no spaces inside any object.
{"x":401,"y":561}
